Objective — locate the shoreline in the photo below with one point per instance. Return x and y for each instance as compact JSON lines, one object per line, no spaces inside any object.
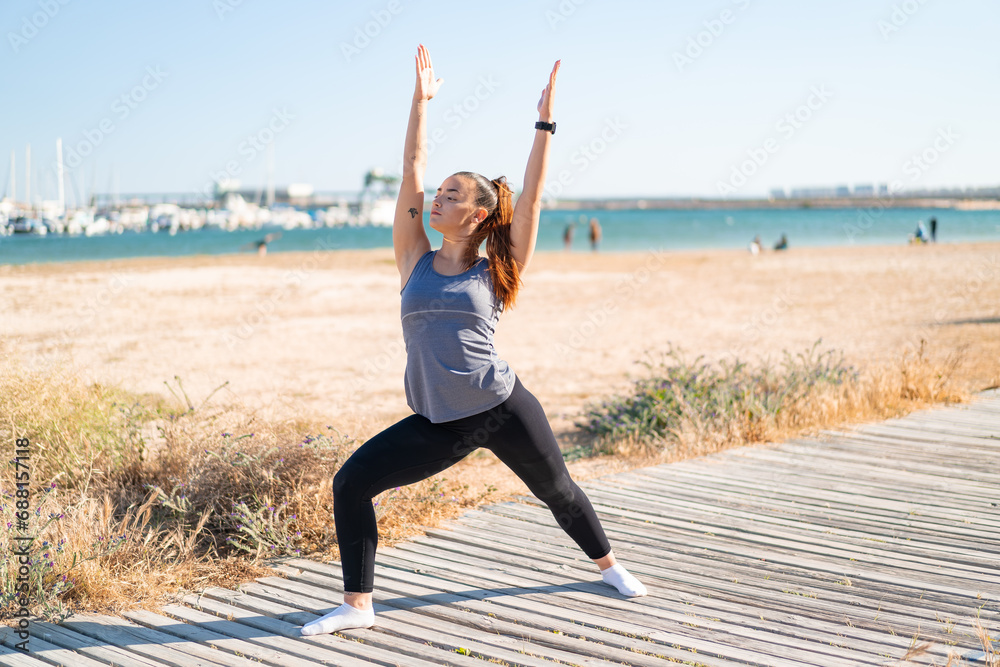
{"x":287,"y":256}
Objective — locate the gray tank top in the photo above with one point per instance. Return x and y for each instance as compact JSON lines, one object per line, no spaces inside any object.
{"x":452,"y":369}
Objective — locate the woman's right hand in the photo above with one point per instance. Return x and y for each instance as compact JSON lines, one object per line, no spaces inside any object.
{"x":427,"y":86}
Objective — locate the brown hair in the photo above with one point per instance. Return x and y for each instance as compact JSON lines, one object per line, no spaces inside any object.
{"x":495,"y":196}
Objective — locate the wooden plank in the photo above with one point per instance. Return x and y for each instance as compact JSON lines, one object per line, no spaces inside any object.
{"x":915,"y":471}
{"x":456,"y":632}
{"x":871,"y":476}
{"x":858,"y":571}
{"x":929,"y":446}
{"x":401,"y":637}
{"x":666,"y":618}
{"x":942,"y":461}
{"x":877,"y":608}
{"x":839,"y":492}
{"x":257,"y":643}
{"x":916,"y":433}
{"x":841,"y":531}
{"x":864,"y":481}
{"x":11,"y":657}
{"x":98,"y":650}
{"x":202,"y":636}
{"x":680,"y":561}
{"x":47,"y":652}
{"x":340,"y":645}
{"x":966,"y":424}
{"x":886,"y":565}
{"x":159,"y":646}
{"x":895,"y":524}
{"x":419,"y":586}
{"x":720,"y":478}
{"x":638,"y":568}
{"x":953,"y":422}
{"x":556,"y":576}
{"x":818,"y":600}
{"x":733,"y":491}
{"x":691,"y":599}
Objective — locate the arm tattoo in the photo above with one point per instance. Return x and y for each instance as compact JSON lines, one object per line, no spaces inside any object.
{"x":413,"y":212}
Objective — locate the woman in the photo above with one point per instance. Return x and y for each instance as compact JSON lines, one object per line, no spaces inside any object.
{"x":463,"y":395}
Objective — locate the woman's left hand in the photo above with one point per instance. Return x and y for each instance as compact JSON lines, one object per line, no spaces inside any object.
{"x":545,"y":103}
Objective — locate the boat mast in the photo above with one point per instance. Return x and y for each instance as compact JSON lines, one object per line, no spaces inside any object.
{"x":59,"y":177}
{"x":27,"y":171}
{"x":270,"y":174}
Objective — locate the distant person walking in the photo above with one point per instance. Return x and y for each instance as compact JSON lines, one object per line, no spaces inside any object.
{"x":595,"y":233}
{"x":782,"y":243}
{"x":462,"y":394}
{"x":261,"y":245}
{"x":755,"y":246}
{"x":934,"y":230}
{"x":568,"y":236}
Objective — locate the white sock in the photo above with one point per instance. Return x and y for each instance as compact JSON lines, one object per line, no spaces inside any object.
{"x":619,"y":577}
{"x":343,"y":617}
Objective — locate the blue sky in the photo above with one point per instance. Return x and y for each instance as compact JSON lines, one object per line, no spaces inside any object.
{"x":653,"y":98}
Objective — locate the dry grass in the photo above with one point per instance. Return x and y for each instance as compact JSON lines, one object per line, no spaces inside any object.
{"x":692,"y":408}
{"x":135,"y":501}
{"x":990,"y":657}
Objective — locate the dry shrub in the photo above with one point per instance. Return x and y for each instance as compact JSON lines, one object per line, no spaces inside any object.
{"x":135,"y":501}
{"x":691,"y":408}
{"x":915,"y":381}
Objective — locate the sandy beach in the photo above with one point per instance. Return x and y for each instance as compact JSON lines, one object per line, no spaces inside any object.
{"x":317,"y":335}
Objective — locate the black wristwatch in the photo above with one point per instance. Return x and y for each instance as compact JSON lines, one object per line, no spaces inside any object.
{"x":549,"y":127}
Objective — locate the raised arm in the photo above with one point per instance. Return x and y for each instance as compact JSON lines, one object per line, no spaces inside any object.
{"x":409,"y":240}
{"x":524,"y":225}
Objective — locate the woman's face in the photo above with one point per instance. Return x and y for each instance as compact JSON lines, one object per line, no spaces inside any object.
{"x":454,"y":211}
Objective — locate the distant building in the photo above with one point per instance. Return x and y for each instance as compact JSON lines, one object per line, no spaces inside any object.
{"x":778,"y":193}
{"x":864,"y":191}
{"x":813,"y":193}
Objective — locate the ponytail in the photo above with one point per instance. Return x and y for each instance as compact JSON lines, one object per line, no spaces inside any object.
{"x":496,"y":197}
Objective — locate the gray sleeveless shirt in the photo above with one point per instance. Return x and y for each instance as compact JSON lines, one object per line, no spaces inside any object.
{"x":452,"y":369}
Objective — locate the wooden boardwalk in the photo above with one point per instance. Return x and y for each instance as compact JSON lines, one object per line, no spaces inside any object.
{"x":841,"y":550}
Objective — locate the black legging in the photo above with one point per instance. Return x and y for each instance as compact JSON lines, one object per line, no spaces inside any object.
{"x":415,"y":448}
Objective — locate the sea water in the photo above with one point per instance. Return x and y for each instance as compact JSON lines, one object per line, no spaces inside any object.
{"x":621,"y":230}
